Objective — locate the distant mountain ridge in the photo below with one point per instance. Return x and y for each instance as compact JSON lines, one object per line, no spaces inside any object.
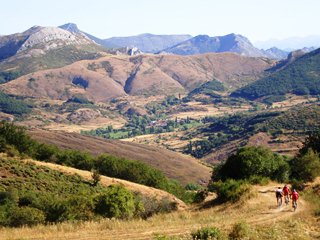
{"x":290,"y":44}
{"x":205,"y":44}
{"x":149,"y":43}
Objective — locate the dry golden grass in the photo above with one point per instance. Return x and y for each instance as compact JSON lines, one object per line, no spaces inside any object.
{"x":260,"y":212}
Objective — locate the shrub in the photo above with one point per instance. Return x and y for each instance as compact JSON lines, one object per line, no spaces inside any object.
{"x":230,"y":190}
{"x":240,"y":231}
{"x":306,"y":167}
{"x":117,"y":202}
{"x":150,"y":206}
{"x":259,"y":180}
{"x":313,"y":142}
{"x":298,"y":185}
{"x":96,"y":177}
{"x":163,"y":237}
{"x":207,"y":233}
{"x":192,"y":187}
{"x":200,"y":196}
{"x":253,"y":161}
{"x":25,"y":216}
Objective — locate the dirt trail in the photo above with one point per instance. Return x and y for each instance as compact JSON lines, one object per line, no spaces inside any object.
{"x":106,"y":181}
{"x":270,"y":212}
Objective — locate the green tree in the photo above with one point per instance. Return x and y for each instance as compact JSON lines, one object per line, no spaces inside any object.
{"x":253,"y":161}
{"x":306,"y":166}
{"x":118,"y":202}
{"x":312,"y":141}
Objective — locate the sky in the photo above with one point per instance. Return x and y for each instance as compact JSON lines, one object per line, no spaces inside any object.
{"x":258,"y":20}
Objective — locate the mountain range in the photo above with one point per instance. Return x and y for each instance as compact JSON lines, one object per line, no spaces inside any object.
{"x":204,"y":44}
{"x":184,"y":44}
{"x":290,"y":44}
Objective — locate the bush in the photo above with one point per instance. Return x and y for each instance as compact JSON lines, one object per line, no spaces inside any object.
{"x":151,"y":205}
{"x":163,"y":237}
{"x":240,"y":231}
{"x":298,"y":185}
{"x":192,"y":187}
{"x":306,"y":167}
{"x":200,"y":196}
{"x":259,"y":180}
{"x":207,"y":233}
{"x":117,"y":202}
{"x":253,"y":161}
{"x":96,"y":177}
{"x":25,"y":216}
{"x":230,"y":190}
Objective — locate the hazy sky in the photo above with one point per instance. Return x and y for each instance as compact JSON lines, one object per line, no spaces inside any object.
{"x":256,"y":19}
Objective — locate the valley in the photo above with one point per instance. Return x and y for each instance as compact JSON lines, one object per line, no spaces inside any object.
{"x":156,"y":137}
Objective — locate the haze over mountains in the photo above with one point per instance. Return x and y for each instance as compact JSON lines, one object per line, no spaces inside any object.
{"x":291,"y":44}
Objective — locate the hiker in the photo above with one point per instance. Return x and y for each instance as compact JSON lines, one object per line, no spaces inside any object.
{"x":286,"y":193}
{"x":279,"y":195}
{"x":294,"y":197}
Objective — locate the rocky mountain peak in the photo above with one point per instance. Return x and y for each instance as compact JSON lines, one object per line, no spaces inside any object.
{"x":51,"y":37}
{"x":71,"y":27}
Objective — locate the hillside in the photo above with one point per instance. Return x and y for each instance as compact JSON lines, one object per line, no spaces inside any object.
{"x":301,"y":77}
{"x":149,"y":43}
{"x":205,"y":44}
{"x":107,"y":181}
{"x":257,"y":217}
{"x":42,"y":48}
{"x":35,"y":192}
{"x":114,"y":76}
{"x":283,"y":131}
{"x":175,"y":165}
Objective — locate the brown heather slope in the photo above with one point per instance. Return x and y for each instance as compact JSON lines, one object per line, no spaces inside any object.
{"x":174,"y":165}
{"x":113,"y":76}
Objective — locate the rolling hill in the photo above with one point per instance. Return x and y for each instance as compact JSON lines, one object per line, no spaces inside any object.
{"x":114,"y":76}
{"x":175,"y":165}
{"x":300,"y":77}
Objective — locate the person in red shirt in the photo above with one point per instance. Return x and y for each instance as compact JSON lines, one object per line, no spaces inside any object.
{"x":286,"y":193}
{"x":294,"y":198}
